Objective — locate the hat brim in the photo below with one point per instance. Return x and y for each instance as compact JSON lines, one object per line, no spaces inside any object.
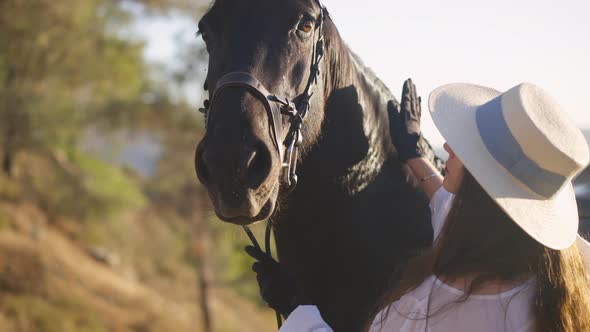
{"x":552,"y":222}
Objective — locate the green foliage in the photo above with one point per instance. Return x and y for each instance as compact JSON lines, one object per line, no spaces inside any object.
{"x":81,"y":187}
{"x":63,"y":65}
{"x":109,"y":188}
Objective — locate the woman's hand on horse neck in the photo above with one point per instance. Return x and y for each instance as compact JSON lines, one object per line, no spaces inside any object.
{"x":406,"y":135}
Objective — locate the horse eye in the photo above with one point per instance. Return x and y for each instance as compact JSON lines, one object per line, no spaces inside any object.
{"x":305,"y":26}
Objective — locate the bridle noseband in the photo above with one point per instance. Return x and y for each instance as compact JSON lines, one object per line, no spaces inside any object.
{"x":277,"y":107}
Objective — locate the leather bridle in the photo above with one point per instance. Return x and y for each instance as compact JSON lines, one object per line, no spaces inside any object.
{"x":277,"y":107}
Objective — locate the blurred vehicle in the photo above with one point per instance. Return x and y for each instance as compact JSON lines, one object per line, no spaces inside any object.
{"x":582,"y":190}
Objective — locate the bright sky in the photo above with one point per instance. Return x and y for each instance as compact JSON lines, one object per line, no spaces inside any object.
{"x":498,"y":43}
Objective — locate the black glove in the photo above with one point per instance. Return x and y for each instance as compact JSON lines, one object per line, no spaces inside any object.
{"x":404,"y":123}
{"x":278,"y":287}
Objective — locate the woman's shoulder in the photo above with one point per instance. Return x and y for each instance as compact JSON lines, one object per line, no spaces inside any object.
{"x":411,"y":305}
{"x":432,"y":293}
{"x":434,"y":287}
{"x":419,"y":294}
{"x":443,"y":303}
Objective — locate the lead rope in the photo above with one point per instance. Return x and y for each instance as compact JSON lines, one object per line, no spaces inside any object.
{"x":268,"y":251}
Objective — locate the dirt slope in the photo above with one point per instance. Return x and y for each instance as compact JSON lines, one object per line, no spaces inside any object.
{"x":49,"y":283}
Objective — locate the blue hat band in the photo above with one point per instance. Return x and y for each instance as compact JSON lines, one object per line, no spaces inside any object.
{"x":506,"y":150}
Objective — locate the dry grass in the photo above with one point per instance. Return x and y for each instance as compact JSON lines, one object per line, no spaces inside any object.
{"x":49,"y":283}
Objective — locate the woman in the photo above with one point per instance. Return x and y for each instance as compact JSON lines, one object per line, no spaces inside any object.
{"x":504,"y":218}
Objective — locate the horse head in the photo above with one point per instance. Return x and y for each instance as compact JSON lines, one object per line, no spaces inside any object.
{"x":272,"y":45}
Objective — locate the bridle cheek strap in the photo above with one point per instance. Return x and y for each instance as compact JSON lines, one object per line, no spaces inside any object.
{"x":271,"y":103}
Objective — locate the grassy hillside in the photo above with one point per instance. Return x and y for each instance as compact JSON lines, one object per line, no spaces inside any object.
{"x":87,"y":241}
{"x":131,"y":271}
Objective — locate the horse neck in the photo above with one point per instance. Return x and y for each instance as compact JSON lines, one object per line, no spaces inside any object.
{"x":355,"y":133}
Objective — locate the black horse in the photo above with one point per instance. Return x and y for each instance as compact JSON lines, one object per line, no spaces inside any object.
{"x":356,"y":213}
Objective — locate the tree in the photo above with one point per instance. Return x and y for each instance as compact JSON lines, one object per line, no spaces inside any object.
{"x":61,"y":62}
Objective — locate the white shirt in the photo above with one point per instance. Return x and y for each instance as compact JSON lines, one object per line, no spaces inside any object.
{"x":509,"y":311}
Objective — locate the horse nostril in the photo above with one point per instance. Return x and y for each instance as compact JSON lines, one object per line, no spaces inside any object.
{"x":200,"y":166}
{"x":258,"y":165}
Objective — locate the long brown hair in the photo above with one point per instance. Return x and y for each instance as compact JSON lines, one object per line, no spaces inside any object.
{"x":479,"y":240}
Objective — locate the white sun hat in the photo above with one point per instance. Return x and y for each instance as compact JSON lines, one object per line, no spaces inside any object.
{"x":522,"y":149}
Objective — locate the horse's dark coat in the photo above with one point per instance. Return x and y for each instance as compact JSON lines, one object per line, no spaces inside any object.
{"x":356,"y":213}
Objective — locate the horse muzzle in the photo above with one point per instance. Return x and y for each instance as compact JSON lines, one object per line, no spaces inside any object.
{"x":237,"y":161}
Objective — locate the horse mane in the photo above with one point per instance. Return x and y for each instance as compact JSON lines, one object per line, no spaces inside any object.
{"x":370,"y":75}
{"x":344,"y":62}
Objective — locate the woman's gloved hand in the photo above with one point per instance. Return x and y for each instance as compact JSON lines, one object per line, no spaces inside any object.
{"x":404,"y":123}
{"x":278,"y":287}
